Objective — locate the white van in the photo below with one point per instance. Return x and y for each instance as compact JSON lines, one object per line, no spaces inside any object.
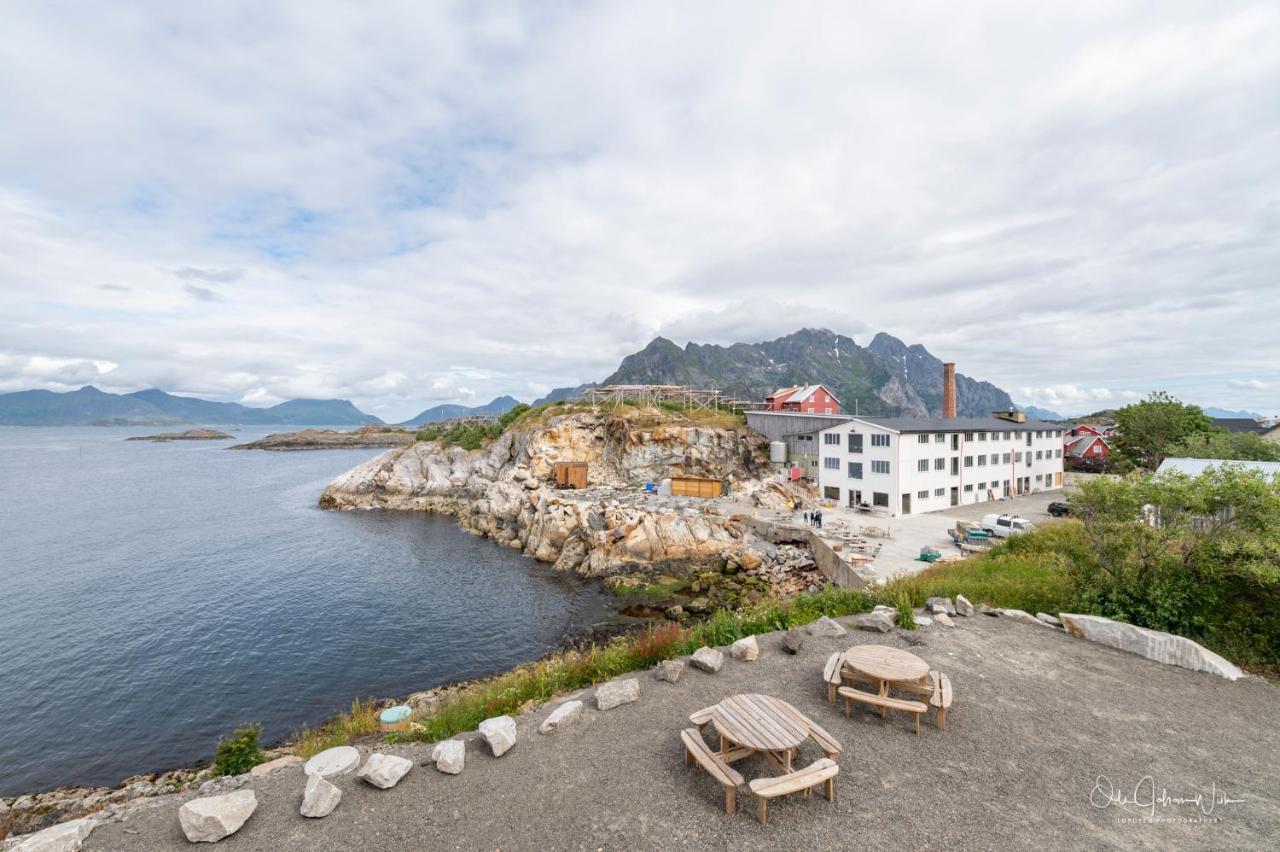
{"x":1006,"y":525}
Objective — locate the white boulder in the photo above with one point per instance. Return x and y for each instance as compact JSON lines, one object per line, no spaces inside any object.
{"x":64,"y":837}
{"x":500,"y":733}
{"x":564,"y":715}
{"x":615,"y":693}
{"x":747,"y":649}
{"x":670,"y":670}
{"x":963,"y":607}
{"x":1021,"y":615}
{"x":940,"y":604}
{"x":707,"y":659}
{"x":334,"y":761}
{"x":319,"y":798}
{"x":827,"y":627}
{"x":1154,"y":645}
{"x":944,"y":619}
{"x":384,"y":771}
{"x":879,"y":620}
{"x":1048,"y":619}
{"x":450,"y":756}
{"x":212,"y":818}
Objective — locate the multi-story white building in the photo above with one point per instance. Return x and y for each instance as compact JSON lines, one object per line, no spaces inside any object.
{"x":909,"y":465}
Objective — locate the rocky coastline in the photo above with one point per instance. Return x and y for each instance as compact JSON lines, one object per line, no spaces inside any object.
{"x":189,"y":435}
{"x":330,"y":439}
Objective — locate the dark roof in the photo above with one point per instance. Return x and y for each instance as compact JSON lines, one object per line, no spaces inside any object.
{"x":960,"y":424}
{"x":1239,"y":424}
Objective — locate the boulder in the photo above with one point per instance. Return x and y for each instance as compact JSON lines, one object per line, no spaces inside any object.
{"x":880,"y":621}
{"x":793,"y":641}
{"x":449,"y":756}
{"x":1021,"y":615}
{"x":1048,"y":619}
{"x":562,"y":717}
{"x":319,"y":798}
{"x":1154,"y":645}
{"x":64,"y":837}
{"x":334,"y":761}
{"x":615,"y":693}
{"x":209,"y":819}
{"x":963,"y":607}
{"x":500,"y":733}
{"x":747,"y":649}
{"x":384,"y":771}
{"x":669,"y":670}
{"x":943,"y":619}
{"x":943,"y":605}
{"x":827,"y":627}
{"x":923,"y":621}
{"x":707,"y":659}
{"x":272,"y":765}
{"x":989,"y":610}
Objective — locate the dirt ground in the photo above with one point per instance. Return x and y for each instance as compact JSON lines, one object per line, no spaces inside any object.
{"x":1042,"y":728}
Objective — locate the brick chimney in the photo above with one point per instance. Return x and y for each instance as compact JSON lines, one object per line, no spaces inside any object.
{"x":949,"y":391}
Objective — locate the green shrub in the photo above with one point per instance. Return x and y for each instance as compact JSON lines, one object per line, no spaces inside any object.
{"x":905,"y":617}
{"x":238,"y":753}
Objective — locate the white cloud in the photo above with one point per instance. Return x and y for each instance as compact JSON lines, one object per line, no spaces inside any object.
{"x":1249,"y":384}
{"x":399,"y":203}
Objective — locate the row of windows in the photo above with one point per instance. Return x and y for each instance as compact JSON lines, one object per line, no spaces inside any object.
{"x":879,"y":439}
{"x":855,"y":468}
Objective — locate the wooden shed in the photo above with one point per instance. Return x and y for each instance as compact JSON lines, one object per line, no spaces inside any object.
{"x":571,"y":474}
{"x":696,"y":486}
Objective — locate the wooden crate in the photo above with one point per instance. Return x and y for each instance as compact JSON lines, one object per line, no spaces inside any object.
{"x":696,"y":486}
{"x":571,"y":474}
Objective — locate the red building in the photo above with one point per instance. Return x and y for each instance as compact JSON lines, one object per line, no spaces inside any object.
{"x":1087,"y":446}
{"x":811,"y":399}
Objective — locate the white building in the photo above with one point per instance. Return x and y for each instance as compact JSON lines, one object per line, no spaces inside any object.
{"x":909,"y":465}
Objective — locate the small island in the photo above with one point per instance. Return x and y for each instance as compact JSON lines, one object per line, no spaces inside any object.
{"x":189,"y":435}
{"x":331,"y":439}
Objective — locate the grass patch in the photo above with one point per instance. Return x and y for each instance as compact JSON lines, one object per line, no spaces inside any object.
{"x":905,"y":617}
{"x":360,"y":721}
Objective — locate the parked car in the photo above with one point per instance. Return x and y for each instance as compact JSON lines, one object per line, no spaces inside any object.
{"x":1006,"y":525}
{"x":1059,"y":509}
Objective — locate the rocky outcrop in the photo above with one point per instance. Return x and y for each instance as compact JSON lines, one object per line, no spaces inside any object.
{"x":1154,"y":645}
{"x":504,"y":491}
{"x":189,"y":435}
{"x":331,"y":439}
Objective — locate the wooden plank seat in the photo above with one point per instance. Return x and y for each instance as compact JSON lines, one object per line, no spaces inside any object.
{"x":917,"y":708}
{"x":696,"y":749}
{"x":835,"y":673}
{"x":821,"y":771}
{"x":702,"y":717}
{"x":941,"y":698}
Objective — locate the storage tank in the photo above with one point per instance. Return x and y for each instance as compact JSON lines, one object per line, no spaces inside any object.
{"x":777,"y":452}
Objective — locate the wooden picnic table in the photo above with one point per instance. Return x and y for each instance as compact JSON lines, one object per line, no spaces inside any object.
{"x":885,"y":664}
{"x":761,"y":724}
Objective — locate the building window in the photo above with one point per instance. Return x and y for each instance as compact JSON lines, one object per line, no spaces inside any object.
{"x":969,"y":487}
{"x":968,"y":436}
{"x":1018,"y":457}
{"x":940,"y":464}
{"x":982,"y":436}
{"x":879,"y":466}
{"x":879,"y":440}
{"x":1039,"y":478}
{"x":939,"y":437}
{"x":831,"y":463}
{"x":968,"y":461}
{"x":1057,"y":454}
{"x":880,"y":499}
{"x":923,"y":439}
{"x":831,"y":438}
{"x":855,"y":442}
{"x":982,"y":461}
{"x":1039,"y":455}
{"x":1006,"y":458}
{"x":855,"y":470}
{"x":939,"y":492}
{"x":923,"y":465}
{"x":922,"y":495}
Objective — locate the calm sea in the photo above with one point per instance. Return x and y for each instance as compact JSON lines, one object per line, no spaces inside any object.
{"x":154,"y":596}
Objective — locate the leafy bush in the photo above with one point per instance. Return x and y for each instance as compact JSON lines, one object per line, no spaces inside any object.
{"x":513,"y":415}
{"x":238,"y":753}
{"x":905,"y":617}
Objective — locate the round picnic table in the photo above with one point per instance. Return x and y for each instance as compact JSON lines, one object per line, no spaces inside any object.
{"x":885,"y":664}
{"x":761,"y":723}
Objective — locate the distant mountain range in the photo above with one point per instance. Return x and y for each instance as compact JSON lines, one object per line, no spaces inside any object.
{"x":1035,"y":412}
{"x":90,"y":406}
{"x":1227,"y":412}
{"x":497,"y":407}
{"x":887,"y":377}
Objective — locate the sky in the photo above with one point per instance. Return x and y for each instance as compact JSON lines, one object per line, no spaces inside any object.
{"x":409,"y":203}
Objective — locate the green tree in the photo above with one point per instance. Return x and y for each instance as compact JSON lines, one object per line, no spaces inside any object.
{"x":1149,"y":428}
{"x":1221,"y":444}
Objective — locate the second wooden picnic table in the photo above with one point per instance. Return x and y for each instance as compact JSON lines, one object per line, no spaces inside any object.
{"x":882,"y":664}
{"x":753,"y":723}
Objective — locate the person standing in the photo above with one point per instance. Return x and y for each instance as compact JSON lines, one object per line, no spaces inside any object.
{"x":806,"y":517}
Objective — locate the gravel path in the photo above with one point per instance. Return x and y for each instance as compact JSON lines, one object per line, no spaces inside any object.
{"x":1038,"y":717}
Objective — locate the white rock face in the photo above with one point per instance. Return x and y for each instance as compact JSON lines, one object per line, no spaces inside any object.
{"x":450,"y":756}
{"x":707,"y":659}
{"x":615,"y":693}
{"x":64,"y":837}
{"x":319,"y":798}
{"x":963,"y":607}
{"x":212,"y":818}
{"x":384,"y":771}
{"x":564,"y":715}
{"x":1162,"y":647}
{"x":827,"y":627}
{"x":500,"y":733}
{"x":334,"y":761}
{"x":747,"y":650}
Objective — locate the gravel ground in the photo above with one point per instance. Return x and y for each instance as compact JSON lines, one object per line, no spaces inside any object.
{"x":1038,"y":717}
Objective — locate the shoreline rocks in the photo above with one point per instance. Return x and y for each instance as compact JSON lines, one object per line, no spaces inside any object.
{"x":331,"y":439}
{"x":189,"y":435}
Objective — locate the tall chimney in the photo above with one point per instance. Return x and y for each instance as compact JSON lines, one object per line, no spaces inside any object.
{"x":949,"y":391}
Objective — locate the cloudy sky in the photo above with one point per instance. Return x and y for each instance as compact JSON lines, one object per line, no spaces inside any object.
{"x":411,"y":203}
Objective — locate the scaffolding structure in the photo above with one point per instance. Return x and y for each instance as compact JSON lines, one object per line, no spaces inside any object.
{"x":652,"y":396}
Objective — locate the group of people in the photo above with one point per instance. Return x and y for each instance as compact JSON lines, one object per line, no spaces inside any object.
{"x":813,"y":518}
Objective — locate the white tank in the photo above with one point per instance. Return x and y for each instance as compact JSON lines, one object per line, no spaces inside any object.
{"x":777,"y":451}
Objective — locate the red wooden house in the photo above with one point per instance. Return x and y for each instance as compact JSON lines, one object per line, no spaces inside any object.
{"x":1087,"y":446}
{"x":810,"y":399}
